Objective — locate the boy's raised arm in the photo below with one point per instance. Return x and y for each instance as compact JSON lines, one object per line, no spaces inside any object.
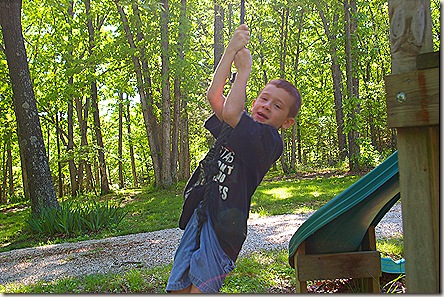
{"x":235,"y":103}
{"x":215,"y":94}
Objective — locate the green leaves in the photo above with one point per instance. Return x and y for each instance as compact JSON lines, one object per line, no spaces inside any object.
{"x":75,"y":218}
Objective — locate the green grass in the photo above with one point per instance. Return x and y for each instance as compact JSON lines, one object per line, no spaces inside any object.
{"x":391,"y":247}
{"x":260,"y":272}
{"x":289,"y":196}
{"x":155,"y":209}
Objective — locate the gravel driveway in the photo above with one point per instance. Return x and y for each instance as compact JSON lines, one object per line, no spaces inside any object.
{"x":118,"y":254}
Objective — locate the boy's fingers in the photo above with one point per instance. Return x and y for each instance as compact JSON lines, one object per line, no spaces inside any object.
{"x":243,"y":26}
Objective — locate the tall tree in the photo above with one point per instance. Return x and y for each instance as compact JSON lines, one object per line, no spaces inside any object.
{"x":166,"y":176}
{"x":120,"y":143}
{"x":352,"y":81}
{"x":181,"y":152}
{"x":59,"y":161}
{"x":36,"y":166}
{"x":336,"y":75}
{"x":283,"y":32}
{"x":104,"y":184}
{"x":296,"y":132}
{"x":82,"y":111}
{"x":131,"y":145}
{"x":218,"y":36}
{"x":144,"y":86}
{"x":73,"y":176}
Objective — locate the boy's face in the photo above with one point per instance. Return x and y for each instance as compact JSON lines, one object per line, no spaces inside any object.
{"x":272,"y":107}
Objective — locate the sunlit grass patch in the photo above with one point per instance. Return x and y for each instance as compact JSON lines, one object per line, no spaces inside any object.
{"x":132,"y":281}
{"x":298,"y":195}
{"x":391,"y":247}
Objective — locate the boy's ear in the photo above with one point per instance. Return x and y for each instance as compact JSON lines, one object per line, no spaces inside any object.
{"x":288,"y":123}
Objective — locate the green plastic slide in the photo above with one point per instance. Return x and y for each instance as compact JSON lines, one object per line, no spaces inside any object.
{"x":340,"y":225}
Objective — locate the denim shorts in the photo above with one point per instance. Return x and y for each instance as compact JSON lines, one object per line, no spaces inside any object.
{"x":206,"y":267}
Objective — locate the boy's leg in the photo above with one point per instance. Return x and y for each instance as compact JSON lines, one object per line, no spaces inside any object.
{"x":209,"y":265}
{"x":199,"y":269}
{"x":195,"y":289}
{"x":179,"y":280}
{"x":190,"y":289}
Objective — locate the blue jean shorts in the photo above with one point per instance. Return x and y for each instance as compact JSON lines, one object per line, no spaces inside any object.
{"x":206,"y":266}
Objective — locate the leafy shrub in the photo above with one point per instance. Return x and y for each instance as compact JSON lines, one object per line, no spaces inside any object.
{"x":369,"y":156}
{"x":76,"y":218}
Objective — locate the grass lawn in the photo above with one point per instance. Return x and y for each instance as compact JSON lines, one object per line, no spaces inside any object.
{"x":154,"y":209}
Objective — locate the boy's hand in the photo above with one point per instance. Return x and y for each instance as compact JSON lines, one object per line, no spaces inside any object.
{"x":240,"y":39}
{"x":237,"y":53}
{"x":242,"y":61}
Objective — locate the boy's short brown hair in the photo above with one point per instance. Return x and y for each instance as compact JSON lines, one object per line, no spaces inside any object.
{"x":293,"y":91}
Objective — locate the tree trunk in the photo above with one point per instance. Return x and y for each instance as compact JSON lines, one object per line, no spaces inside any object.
{"x":70,"y":145}
{"x":7,"y":188}
{"x":184,"y":160}
{"x":283,"y":56}
{"x":337,"y":82}
{"x":144,"y":88}
{"x":84,"y":165}
{"x":131,"y":145}
{"x":59,"y":163}
{"x":39,"y":182}
{"x":262,"y":58}
{"x":184,"y":150}
{"x":166,"y":97}
{"x":295,"y":135}
{"x":152,"y":126}
{"x":352,"y":84}
{"x":120,"y":142}
{"x":176,"y":126}
{"x":70,"y":148}
{"x":293,"y":147}
{"x":283,"y":41}
{"x":4,"y":175}
{"x":180,"y":151}
{"x":104,"y":184}
{"x":218,"y":33}
{"x":10,"y":172}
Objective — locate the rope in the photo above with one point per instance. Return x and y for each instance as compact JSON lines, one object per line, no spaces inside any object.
{"x":210,"y":168}
{"x":242,"y":21}
{"x":242,"y":12}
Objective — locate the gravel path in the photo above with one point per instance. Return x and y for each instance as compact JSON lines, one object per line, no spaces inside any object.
{"x":118,"y":254}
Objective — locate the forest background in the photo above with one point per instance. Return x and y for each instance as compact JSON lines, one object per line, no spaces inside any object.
{"x":120,"y":86}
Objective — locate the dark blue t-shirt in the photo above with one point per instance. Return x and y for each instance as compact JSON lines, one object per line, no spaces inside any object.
{"x":250,"y":151}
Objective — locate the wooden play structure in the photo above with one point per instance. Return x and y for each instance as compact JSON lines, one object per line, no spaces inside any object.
{"x":338,"y":241}
{"x":412,"y":95}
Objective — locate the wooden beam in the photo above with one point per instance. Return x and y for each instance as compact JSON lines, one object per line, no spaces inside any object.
{"x":413,"y":98}
{"x":340,"y":265}
{"x":301,"y":285}
{"x":418,"y":147}
{"x":418,"y":156}
{"x":428,"y":60}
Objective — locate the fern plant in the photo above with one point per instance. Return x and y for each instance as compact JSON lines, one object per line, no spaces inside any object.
{"x":75,"y":218}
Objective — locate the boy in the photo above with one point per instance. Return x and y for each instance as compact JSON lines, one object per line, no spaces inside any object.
{"x":253,"y":146}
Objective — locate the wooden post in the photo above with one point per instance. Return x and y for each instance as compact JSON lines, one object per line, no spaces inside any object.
{"x":371,"y":284}
{"x":413,"y":109}
{"x":301,"y":285}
